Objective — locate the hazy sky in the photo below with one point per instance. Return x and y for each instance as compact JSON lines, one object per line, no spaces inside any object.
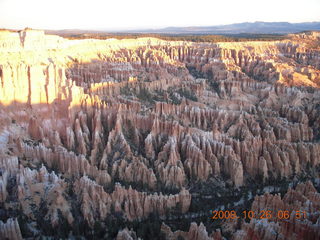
{"x":133,"y":14}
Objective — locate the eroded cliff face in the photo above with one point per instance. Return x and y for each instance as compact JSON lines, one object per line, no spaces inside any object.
{"x":126,"y":127}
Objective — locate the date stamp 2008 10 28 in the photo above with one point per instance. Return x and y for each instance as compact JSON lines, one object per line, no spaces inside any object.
{"x":263,"y":214}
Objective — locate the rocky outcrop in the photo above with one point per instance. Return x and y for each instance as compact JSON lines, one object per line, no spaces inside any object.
{"x":195,"y":232}
{"x":66,"y":162}
{"x":96,"y":203}
{"x":125,"y":234}
{"x":40,"y":190}
{"x":8,"y":169}
{"x":169,"y":165}
{"x":10,"y":230}
{"x":302,"y":222}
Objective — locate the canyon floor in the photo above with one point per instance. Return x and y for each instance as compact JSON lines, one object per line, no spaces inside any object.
{"x":146,"y":138}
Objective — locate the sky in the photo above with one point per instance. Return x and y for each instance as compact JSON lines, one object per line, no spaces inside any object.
{"x":145,"y":14}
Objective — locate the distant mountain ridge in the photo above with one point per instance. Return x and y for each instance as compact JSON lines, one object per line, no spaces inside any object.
{"x":230,"y":29}
{"x":238,"y":28}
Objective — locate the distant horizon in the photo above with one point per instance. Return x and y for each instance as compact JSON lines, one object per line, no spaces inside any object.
{"x":155,"y":28}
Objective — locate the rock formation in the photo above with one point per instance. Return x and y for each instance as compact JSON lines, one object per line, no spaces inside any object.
{"x":129,"y":128}
{"x":195,"y":232}
{"x":302,"y":205}
{"x":10,"y":230}
{"x":96,"y":203}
